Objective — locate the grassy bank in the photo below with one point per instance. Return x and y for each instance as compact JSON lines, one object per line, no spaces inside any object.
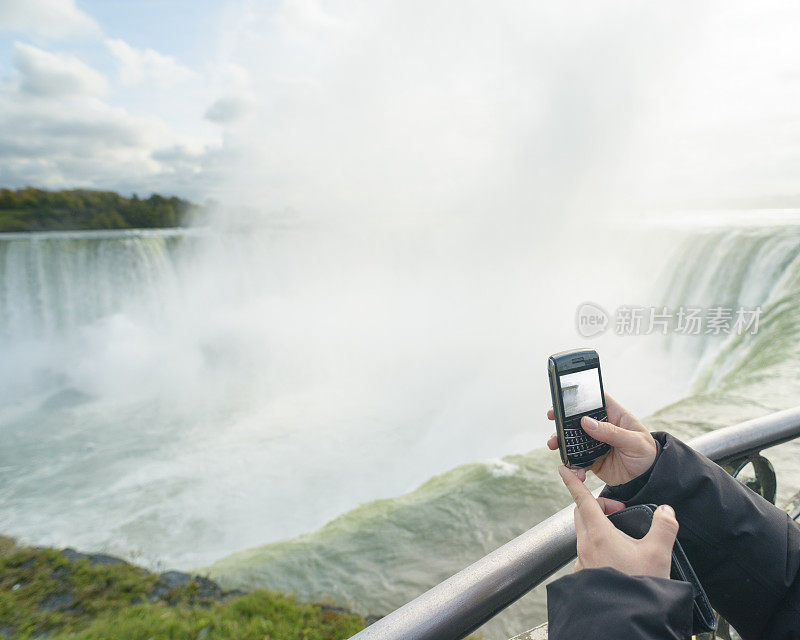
{"x":60,"y":595}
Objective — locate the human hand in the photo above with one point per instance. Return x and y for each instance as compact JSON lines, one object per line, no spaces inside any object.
{"x":601,"y":544}
{"x":633,"y":449}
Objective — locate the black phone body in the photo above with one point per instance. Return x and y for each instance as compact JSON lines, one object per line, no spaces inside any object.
{"x":576,"y":387}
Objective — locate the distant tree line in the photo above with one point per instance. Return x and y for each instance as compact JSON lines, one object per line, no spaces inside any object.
{"x":32,"y":209}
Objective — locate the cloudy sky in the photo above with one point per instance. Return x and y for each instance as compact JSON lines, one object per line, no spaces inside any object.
{"x":112,"y":94}
{"x":391,"y":106}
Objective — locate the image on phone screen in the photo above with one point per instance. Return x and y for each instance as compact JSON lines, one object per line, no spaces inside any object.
{"x":580,"y":392}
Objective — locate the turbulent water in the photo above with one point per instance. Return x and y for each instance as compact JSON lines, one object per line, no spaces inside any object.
{"x":175,"y":397}
{"x":381,"y":554}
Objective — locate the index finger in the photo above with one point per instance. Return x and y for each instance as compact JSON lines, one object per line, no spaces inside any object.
{"x":590,"y":510}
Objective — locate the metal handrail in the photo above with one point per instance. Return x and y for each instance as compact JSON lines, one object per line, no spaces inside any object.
{"x":463,"y":602}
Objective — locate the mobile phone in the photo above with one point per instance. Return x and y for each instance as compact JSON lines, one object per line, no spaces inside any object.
{"x":576,"y":387}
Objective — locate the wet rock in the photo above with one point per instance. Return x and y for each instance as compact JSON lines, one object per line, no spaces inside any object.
{"x":234,"y":593}
{"x":94,"y":558}
{"x":101,"y":558}
{"x":342,"y":611}
{"x":207,"y":588}
{"x":326,"y":607}
{"x":72,"y":555}
{"x":60,"y":572}
{"x":175,"y":578}
{"x":57,"y":601}
{"x":169,"y":581}
{"x":26,"y":565}
{"x":159,"y":591}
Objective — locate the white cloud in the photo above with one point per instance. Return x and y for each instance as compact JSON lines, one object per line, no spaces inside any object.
{"x":227,"y":110}
{"x":48,"y":18}
{"x":305,"y":20}
{"x":147,"y":65}
{"x":56,"y":131}
{"x":236,"y":97}
{"x":42,"y":73}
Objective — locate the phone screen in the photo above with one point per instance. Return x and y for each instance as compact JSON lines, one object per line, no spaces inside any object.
{"x":580,"y":392}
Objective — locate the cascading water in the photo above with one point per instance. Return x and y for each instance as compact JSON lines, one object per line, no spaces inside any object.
{"x":52,"y":284}
{"x":382,"y":554}
{"x":729,"y":269}
{"x":176,"y":397}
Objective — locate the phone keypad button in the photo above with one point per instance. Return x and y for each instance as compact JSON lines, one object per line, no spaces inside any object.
{"x":582,"y":448}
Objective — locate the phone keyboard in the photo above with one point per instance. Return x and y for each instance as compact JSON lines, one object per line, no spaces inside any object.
{"x":582,"y":448}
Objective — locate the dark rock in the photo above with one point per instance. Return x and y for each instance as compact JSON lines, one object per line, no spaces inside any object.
{"x":342,"y":612}
{"x":339,"y":610}
{"x":93,"y":558}
{"x":174,"y":586}
{"x":7,"y":631}
{"x":207,"y":588}
{"x":57,"y":601}
{"x":203,"y":633}
{"x":158,"y":592}
{"x":60,"y":572}
{"x":73,"y":556}
{"x":234,"y":593}
{"x":102,"y":558}
{"x":175,"y":578}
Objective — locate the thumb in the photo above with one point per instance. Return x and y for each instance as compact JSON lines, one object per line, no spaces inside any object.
{"x":664,"y":528}
{"x":611,"y":434}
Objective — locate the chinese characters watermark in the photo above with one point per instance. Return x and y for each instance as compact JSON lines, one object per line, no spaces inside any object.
{"x":631,"y":320}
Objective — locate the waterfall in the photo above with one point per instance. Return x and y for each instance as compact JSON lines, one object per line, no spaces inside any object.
{"x":378,"y":556}
{"x":51,"y":284}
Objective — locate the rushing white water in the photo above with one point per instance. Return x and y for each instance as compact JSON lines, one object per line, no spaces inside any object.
{"x":378,"y":556}
{"x":176,"y":397}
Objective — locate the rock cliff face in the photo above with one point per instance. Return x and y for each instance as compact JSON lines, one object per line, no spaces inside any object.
{"x":168,"y":583}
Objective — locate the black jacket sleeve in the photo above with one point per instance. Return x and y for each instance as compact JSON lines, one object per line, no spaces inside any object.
{"x":605,"y":603}
{"x":745,"y":551}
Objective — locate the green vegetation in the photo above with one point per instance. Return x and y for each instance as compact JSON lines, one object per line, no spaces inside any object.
{"x":32,"y":209}
{"x":45,"y":594}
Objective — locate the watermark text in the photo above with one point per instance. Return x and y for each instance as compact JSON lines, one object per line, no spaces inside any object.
{"x":634,"y":320}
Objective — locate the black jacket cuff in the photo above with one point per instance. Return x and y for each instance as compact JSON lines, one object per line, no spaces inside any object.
{"x":624,"y":492}
{"x":606,"y":603}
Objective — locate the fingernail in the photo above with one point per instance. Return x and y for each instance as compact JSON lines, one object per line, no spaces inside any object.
{"x":590,"y":423}
{"x":668,"y":510}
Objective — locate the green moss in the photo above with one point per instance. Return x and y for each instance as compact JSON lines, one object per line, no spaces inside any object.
{"x":43,"y":593}
{"x":258,"y":615}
